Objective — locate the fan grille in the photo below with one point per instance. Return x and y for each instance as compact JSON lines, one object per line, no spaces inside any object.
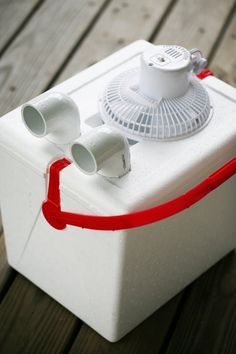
{"x":124,"y":106}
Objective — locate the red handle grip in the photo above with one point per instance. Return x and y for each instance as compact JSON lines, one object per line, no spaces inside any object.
{"x":59,"y":219}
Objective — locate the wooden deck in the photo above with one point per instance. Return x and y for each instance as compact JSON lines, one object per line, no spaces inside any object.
{"x":43,"y":42}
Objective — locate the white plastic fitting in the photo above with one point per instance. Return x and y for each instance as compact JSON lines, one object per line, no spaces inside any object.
{"x":103,"y":149}
{"x":165,"y":70}
{"x":54,"y":115}
{"x":199,"y":63}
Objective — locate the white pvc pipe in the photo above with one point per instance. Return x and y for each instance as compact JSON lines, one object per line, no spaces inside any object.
{"x":103,"y":149}
{"x":54,"y":115}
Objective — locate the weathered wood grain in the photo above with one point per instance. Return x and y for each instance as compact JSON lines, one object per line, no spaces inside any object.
{"x":195,"y":24}
{"x":123,"y":22}
{"x":190,"y":23}
{"x":147,"y":338}
{"x":41,"y":48}
{"x":207,"y":323}
{"x":224,"y":61}
{"x":12,"y":15}
{"x":6,"y":272}
{"x":1,"y":226}
{"x":32,"y":322}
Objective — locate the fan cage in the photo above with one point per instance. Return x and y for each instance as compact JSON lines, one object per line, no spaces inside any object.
{"x":140,"y":117}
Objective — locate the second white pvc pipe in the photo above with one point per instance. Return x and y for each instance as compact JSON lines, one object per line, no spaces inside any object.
{"x":103,"y":149}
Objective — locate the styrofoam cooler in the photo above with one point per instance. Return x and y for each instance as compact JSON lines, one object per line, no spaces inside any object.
{"x":113,"y":280}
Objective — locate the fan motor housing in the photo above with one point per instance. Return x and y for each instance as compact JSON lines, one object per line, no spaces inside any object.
{"x":164,"y":71}
{"x":160,"y":100}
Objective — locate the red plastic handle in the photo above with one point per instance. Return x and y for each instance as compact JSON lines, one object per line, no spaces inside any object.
{"x":204,"y":73}
{"x":59,"y":219}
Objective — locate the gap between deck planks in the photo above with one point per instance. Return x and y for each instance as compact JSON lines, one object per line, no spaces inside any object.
{"x":32,"y":322}
{"x":190,"y":23}
{"x":13,"y":17}
{"x":6,"y":273}
{"x":224,"y":62}
{"x":207,"y":321}
{"x":34,"y":57}
{"x":212,"y":36}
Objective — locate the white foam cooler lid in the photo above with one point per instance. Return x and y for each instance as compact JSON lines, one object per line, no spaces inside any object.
{"x":160,"y":170}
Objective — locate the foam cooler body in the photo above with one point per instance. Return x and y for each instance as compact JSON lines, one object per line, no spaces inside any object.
{"x":113,"y":280}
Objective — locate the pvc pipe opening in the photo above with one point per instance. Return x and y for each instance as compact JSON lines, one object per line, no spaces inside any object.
{"x":54,"y":116}
{"x":34,"y":121}
{"x":104,"y":150}
{"x":84,"y":158}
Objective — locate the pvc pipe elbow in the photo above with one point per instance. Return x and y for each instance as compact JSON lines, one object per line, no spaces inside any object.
{"x":54,"y":115}
{"x":103,"y":149}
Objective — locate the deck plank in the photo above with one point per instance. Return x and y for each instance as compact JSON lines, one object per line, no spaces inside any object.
{"x":207,"y":322}
{"x":195,"y":24}
{"x":13,"y":12}
{"x":6,"y":272}
{"x":39,"y":51}
{"x":147,"y":338}
{"x":122,"y":23}
{"x":185,"y":25}
{"x":32,"y":322}
{"x":224,"y":63}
